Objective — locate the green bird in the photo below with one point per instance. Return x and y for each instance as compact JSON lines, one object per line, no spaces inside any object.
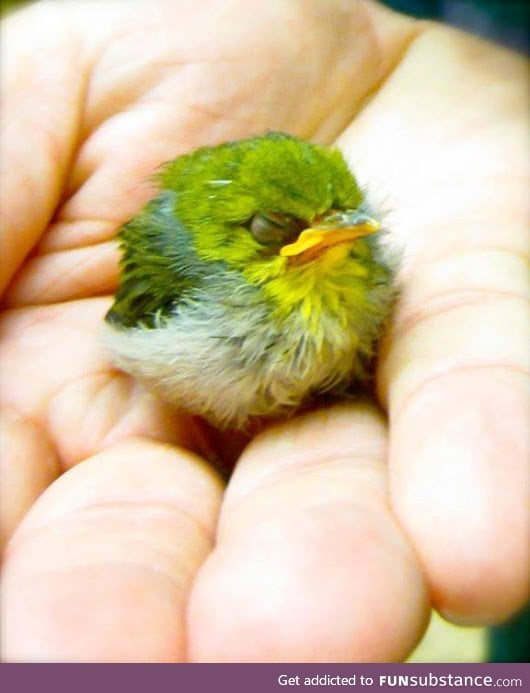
{"x":256,"y":280}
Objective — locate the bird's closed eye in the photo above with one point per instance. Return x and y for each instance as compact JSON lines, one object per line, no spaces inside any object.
{"x":274,"y":228}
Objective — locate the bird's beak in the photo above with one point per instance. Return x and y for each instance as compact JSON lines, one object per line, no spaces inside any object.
{"x":333,"y":229}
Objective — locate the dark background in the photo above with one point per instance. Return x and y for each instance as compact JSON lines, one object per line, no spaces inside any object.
{"x":503,"y":21}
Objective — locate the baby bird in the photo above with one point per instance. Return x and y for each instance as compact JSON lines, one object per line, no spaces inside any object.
{"x":256,"y":280}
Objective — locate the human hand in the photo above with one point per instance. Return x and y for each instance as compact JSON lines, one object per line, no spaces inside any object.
{"x":115,"y":562}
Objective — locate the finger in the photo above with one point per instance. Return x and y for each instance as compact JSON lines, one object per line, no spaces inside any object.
{"x":456,"y":384}
{"x":37,"y":143}
{"x":453,"y":372}
{"x":65,"y":275}
{"x":101,"y":567}
{"x":28,"y":465}
{"x":460,"y":487}
{"x":56,"y":372}
{"x":309,"y":564}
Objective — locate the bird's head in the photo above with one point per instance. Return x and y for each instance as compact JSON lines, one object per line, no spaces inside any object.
{"x":285,"y":215}
{"x":272,"y":201}
{"x":271,"y":208}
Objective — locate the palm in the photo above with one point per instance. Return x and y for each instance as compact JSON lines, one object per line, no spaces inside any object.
{"x":155,"y":92}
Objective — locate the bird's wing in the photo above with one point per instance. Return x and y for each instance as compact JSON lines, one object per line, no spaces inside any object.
{"x":151,"y":281}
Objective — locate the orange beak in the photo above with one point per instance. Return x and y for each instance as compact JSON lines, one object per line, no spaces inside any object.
{"x":337,"y":228}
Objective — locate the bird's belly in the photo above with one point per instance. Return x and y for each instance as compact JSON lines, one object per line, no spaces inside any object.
{"x":231,"y":363}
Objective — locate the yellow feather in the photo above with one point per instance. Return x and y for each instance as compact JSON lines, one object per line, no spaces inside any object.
{"x":330,"y":282}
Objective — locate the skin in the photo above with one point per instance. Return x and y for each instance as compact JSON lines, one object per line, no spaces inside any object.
{"x":332,"y":540}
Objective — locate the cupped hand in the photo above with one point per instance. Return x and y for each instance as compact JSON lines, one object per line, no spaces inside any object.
{"x":329,"y":543}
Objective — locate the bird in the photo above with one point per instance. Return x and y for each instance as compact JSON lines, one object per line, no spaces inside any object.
{"x":257,"y":281}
